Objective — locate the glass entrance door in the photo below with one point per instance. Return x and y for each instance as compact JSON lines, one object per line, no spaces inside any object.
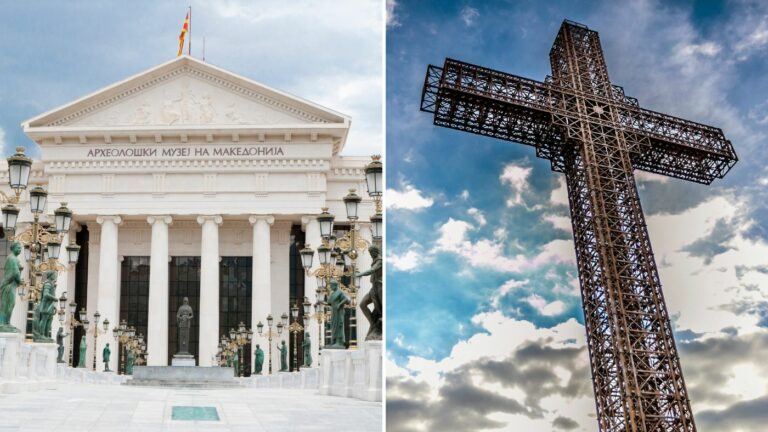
{"x":235,"y":300}
{"x":183,"y":281}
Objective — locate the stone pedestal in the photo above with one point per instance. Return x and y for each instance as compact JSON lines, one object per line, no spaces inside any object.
{"x":310,"y":378}
{"x":10,"y":346}
{"x":42,"y":364}
{"x":353,"y":373}
{"x":184,"y":377}
{"x":183,"y":360}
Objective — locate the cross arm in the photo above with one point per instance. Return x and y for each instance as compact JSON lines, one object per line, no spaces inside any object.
{"x":677,"y":147}
{"x":474,"y":99}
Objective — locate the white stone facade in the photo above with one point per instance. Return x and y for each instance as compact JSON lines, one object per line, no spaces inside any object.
{"x":187,"y":159}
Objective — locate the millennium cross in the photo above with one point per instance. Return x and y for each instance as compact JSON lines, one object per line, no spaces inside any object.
{"x":595,"y":134}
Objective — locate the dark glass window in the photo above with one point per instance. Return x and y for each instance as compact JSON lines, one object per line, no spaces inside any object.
{"x":183,"y":281}
{"x":81,"y":290}
{"x":134,"y":295}
{"x":235,"y":290}
{"x":296,"y":284}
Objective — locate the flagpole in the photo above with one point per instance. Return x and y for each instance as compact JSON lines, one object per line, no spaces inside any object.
{"x":189,"y":46}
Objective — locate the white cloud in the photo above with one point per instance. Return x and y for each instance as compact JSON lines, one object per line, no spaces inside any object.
{"x":409,"y":198}
{"x":478,"y":216}
{"x":708,"y":49}
{"x":469,"y":14}
{"x":391,"y":15}
{"x":406,"y":262}
{"x":516,"y":177}
{"x":543,"y":307}
{"x":2,"y":142}
{"x":506,"y":288}
{"x":560,"y":222}
{"x":464,"y":195}
{"x":490,"y":253}
{"x":559,"y":195}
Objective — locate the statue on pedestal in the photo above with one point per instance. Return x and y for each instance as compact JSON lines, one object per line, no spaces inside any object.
{"x":184,"y":321}
{"x":60,"y":335}
{"x":306,"y":346}
{"x":236,"y":362}
{"x":11,"y":281}
{"x":259,"y":359}
{"x":373,"y":296}
{"x":283,"y":357}
{"x":105,"y":357}
{"x":130,"y":358}
{"x":83,"y":348}
{"x":338,"y":301}
{"x":45,"y":309}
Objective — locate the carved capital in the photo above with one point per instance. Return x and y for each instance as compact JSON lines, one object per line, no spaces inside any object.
{"x":166,"y":219}
{"x":267,"y":218}
{"x":217,"y":219}
{"x":117,"y":220}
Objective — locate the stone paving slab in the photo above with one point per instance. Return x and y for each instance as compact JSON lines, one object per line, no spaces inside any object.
{"x":106,"y":408}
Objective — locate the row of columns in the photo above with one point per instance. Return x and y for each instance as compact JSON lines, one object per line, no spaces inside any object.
{"x":158,"y":315}
{"x":157,"y":333}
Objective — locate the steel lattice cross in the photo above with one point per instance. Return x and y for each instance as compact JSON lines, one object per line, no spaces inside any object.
{"x":598,"y":136}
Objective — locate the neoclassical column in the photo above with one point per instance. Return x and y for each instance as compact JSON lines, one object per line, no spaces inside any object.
{"x":108,"y":300}
{"x":261,"y":294}
{"x":363,"y":263}
{"x":313,"y":239}
{"x":209,"y":288}
{"x":157,"y":324}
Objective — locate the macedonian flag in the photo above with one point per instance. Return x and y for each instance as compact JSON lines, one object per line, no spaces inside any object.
{"x":184,"y":30}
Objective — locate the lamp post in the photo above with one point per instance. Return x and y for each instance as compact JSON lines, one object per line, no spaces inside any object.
{"x":123,"y":334}
{"x":41,"y":240}
{"x":295,"y":328}
{"x":71,"y":311}
{"x":96,"y":331}
{"x":270,"y":334}
{"x":238,"y":338}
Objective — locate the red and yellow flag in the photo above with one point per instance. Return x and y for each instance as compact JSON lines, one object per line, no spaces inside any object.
{"x":184,"y":30}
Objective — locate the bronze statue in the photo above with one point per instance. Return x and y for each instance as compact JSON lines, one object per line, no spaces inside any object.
{"x":11,"y":281}
{"x":259,"y":359}
{"x":283,"y":357}
{"x":306,"y":346}
{"x":236,"y":362}
{"x":338,"y":301}
{"x":105,"y":357}
{"x":60,"y":335}
{"x":45,"y":309}
{"x":130,"y":358}
{"x":373,"y":296}
{"x":184,"y":320}
{"x":83,"y":348}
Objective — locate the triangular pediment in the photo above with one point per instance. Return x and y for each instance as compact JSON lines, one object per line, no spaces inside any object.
{"x":186,"y":92}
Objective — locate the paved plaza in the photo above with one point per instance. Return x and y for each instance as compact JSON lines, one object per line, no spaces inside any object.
{"x":113,"y":408}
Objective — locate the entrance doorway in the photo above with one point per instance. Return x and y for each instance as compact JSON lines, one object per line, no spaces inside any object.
{"x":183,"y":281}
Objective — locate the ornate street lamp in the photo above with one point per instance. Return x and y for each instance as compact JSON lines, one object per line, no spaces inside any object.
{"x":295,"y":328}
{"x":270,"y":334}
{"x":307,"y":254}
{"x":325,"y":220}
{"x":352,"y":202}
{"x":38,"y":197}
{"x":374,"y":177}
{"x":62,"y":218}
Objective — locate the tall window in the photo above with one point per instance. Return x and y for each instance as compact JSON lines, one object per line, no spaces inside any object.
{"x":134,"y":295}
{"x":235,"y":290}
{"x":183,"y":281}
{"x":297,"y":293}
{"x":81,"y":290}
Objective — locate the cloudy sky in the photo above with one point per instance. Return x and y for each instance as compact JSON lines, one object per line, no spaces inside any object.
{"x":328,"y":52}
{"x":485,"y":329}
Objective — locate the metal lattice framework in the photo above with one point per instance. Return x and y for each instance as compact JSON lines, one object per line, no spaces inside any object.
{"x":595,"y":134}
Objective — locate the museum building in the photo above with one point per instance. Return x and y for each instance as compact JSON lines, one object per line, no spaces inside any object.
{"x":187,"y":180}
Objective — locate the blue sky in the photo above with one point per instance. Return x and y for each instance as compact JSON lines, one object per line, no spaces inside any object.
{"x":54,"y":52}
{"x":480,"y":256}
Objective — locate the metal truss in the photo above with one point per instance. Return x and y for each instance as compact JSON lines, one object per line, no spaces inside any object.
{"x":595,"y":134}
